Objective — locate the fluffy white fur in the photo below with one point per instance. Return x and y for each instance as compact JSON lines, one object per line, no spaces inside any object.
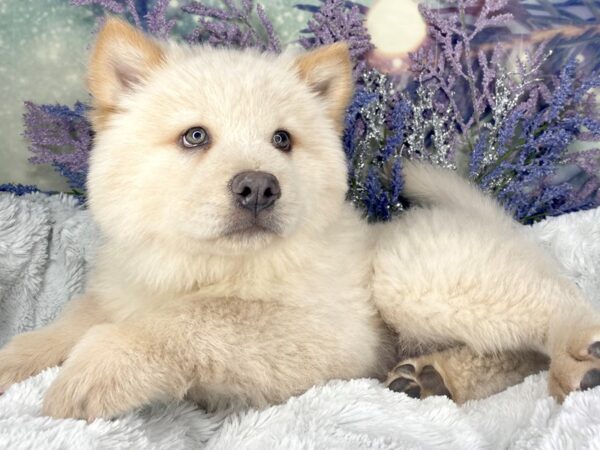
{"x":180,"y":306}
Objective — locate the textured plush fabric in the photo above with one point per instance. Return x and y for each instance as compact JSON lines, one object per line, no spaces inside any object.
{"x":46,"y":246}
{"x":46,"y":243}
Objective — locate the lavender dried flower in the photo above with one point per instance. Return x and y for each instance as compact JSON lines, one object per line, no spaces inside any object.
{"x":532,"y":148}
{"x":60,"y":136}
{"x":150,"y":15}
{"x":125,"y":8}
{"x":233,"y":25}
{"x":376,"y":125}
{"x":156,"y":19}
{"x":587,"y":160}
{"x":18,"y":189}
{"x":335,"y":21}
{"x":452,"y":63}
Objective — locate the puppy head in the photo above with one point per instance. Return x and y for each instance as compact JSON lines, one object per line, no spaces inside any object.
{"x":216,"y":149}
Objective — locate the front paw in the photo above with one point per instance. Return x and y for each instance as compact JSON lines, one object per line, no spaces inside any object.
{"x":97,"y":381}
{"x":82,"y":395}
{"x":27,"y":355}
{"x":15,"y":368}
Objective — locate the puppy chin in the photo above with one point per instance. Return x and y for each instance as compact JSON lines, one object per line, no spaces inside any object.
{"x":248,"y":225}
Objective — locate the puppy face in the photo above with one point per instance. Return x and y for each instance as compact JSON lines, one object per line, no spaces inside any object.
{"x":218,"y":149}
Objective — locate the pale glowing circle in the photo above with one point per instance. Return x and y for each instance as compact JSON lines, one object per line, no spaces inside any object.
{"x":395,"y":26}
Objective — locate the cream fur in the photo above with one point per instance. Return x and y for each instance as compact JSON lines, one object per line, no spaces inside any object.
{"x":177,"y":307}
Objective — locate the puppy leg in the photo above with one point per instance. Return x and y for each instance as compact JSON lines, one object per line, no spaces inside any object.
{"x":560,"y":325}
{"x":461,"y":374}
{"x":213,"y":350}
{"x":29,"y":353}
{"x":488,"y":287}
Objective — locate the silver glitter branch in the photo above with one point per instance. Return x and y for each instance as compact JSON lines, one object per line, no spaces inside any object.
{"x":430,"y":137}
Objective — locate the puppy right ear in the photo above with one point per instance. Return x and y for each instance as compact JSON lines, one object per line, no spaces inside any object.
{"x":328,"y":72}
{"x":121,"y":57}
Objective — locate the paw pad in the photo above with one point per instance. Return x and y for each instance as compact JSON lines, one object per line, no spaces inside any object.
{"x":590,"y":379}
{"x":428,"y":382}
{"x":432,"y":381}
{"x":408,"y":369}
{"x":409,"y":387}
{"x":594,"y":349}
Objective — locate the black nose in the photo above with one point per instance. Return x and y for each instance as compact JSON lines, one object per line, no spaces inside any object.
{"x":255,"y":190}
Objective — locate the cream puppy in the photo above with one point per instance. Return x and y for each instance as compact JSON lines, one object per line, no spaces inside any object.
{"x":232,"y":271}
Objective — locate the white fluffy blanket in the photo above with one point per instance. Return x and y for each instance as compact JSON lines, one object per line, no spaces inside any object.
{"x":46,"y":244}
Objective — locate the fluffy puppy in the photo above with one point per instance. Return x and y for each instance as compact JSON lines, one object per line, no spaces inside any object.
{"x":233,"y":271}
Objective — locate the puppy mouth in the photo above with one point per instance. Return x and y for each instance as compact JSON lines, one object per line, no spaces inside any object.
{"x":252,"y":227}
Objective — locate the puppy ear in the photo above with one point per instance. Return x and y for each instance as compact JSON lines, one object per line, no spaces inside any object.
{"x":328,"y":72}
{"x":122,"y":55}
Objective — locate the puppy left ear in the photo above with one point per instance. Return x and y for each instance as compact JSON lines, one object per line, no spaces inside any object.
{"x":328,"y":72}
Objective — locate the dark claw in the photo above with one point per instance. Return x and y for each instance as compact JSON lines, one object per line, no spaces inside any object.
{"x":590,"y":379}
{"x":594,"y":349}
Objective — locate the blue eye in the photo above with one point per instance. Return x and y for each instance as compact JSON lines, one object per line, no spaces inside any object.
{"x":282,"y":140}
{"x":194,"y":137}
